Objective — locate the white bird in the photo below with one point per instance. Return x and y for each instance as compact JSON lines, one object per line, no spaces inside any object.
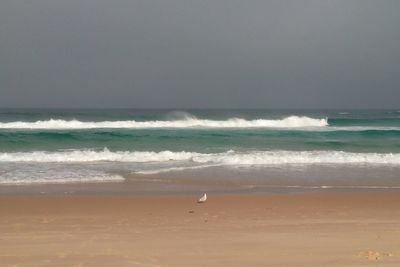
{"x":202,"y":199}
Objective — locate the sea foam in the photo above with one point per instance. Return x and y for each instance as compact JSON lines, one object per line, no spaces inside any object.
{"x":186,"y":122}
{"x":54,"y":179}
{"x":278,"y":157}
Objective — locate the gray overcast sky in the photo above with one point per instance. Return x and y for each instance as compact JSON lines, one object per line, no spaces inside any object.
{"x":203,"y":53}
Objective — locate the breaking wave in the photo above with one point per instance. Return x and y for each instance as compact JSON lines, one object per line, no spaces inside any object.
{"x":54,"y":179}
{"x":225,"y":158}
{"x":186,"y":122}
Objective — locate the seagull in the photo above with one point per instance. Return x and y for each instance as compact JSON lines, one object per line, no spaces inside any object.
{"x":202,"y":199}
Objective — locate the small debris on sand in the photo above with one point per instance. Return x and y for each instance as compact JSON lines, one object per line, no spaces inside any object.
{"x":370,"y":255}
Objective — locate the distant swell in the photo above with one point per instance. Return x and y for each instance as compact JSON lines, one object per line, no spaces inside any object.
{"x":188,"y":122}
{"x":222,"y":159}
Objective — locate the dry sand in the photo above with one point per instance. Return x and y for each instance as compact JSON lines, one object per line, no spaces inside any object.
{"x":311,"y":229}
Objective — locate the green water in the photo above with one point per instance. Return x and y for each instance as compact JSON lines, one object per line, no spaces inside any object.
{"x":353,"y":131}
{"x":51,"y":146}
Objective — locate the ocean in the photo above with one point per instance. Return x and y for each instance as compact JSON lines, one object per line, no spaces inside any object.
{"x":52,"y":146}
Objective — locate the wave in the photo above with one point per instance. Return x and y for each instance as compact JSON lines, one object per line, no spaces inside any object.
{"x":278,"y":157}
{"x":289,"y":123}
{"x":357,"y":128}
{"x":340,"y":121}
{"x":54,"y":179}
{"x":186,"y":122}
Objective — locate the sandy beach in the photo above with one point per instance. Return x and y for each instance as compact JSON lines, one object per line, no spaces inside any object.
{"x":308,"y":229}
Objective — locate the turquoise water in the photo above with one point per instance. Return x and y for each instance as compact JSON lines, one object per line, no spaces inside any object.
{"x":91,"y":145}
{"x":378,"y":131}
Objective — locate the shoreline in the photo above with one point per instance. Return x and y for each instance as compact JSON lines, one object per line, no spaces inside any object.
{"x":222,"y":181}
{"x":165,"y":189}
{"x":305,"y":229}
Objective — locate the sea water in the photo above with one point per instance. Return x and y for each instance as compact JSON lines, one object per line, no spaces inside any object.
{"x":68,"y":146}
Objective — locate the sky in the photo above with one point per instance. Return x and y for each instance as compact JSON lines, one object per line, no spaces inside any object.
{"x":200,"y":54}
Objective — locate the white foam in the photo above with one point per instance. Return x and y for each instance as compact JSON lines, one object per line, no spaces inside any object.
{"x":76,"y":156}
{"x":225,"y":158}
{"x":174,"y":169}
{"x":187,"y":122}
{"x":99,"y":166}
{"x":54,"y":178}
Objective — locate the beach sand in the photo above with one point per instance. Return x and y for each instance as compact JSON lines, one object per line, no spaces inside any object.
{"x":308,"y":229}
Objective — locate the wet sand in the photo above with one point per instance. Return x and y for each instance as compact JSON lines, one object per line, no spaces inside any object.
{"x":307,"y":229}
